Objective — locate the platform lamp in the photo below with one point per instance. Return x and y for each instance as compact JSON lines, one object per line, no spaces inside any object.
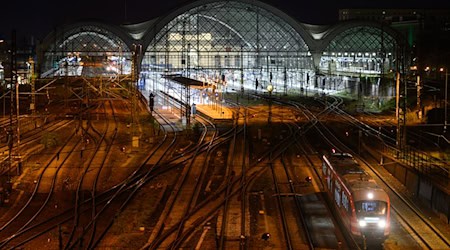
{"x":270,"y":89}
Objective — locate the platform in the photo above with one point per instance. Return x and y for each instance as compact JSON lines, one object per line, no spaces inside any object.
{"x":215,"y":112}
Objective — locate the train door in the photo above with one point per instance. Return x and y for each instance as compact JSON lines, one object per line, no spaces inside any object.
{"x":327,"y":174}
{"x":347,"y":207}
{"x":329,"y":180}
{"x":324,"y":168}
{"x":337,"y":193}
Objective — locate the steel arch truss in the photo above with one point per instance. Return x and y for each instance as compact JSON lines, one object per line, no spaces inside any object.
{"x":363,"y":49}
{"x":231,"y":40}
{"x":87,"y":51}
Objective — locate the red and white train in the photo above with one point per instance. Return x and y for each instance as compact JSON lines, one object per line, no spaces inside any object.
{"x":363,"y":206}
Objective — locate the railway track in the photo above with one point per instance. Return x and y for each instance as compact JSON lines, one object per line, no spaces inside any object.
{"x":85,"y":183}
{"x":93,"y":215}
{"x":121,"y":195}
{"x":40,"y":196}
{"x":182,"y":197}
{"x":316,"y":238}
{"x":426,"y":234}
{"x":308,"y":201}
{"x":137,"y":177}
{"x":29,"y":144}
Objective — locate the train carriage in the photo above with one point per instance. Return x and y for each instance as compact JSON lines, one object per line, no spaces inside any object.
{"x":363,"y":206}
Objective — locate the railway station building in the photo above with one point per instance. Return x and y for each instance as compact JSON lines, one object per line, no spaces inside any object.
{"x":233,"y":45}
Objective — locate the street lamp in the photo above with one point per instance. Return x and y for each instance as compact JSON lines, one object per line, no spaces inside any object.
{"x":445,"y":103}
{"x":270,"y":89}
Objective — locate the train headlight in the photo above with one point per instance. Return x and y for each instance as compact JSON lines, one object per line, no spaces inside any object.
{"x":382,"y":224}
{"x":370,"y":196}
{"x":362,"y":223}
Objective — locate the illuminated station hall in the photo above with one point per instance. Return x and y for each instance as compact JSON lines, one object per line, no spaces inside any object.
{"x":205,"y":49}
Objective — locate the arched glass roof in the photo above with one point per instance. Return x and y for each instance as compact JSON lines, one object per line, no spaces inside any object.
{"x":363,"y":39}
{"x":229,"y":23}
{"x":89,"y":39}
{"x":87,"y":50}
{"x":241,"y":41}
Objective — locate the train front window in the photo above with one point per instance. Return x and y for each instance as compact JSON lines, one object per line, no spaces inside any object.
{"x":371,"y":208}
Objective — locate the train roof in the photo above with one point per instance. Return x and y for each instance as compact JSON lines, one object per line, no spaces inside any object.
{"x":344,"y":164}
{"x":351,"y":173}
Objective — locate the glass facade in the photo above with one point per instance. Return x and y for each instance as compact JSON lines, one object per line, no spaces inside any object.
{"x":86,"y":51}
{"x":365,"y":50}
{"x":232,"y":45}
{"x":355,"y":61}
{"x":228,"y":40}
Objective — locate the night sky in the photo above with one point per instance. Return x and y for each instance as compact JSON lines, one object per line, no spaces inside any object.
{"x":38,"y":18}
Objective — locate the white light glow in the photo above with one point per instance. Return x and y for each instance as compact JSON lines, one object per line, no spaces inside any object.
{"x":362,"y":223}
{"x":382,"y":224}
{"x":188,"y":37}
{"x":370,"y":196}
{"x":175,"y":37}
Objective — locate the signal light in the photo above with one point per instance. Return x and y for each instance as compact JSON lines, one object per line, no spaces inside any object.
{"x":308,"y":179}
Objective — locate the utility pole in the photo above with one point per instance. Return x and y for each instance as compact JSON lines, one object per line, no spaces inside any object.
{"x":134,"y":93}
{"x":33,"y":89}
{"x":445,"y":71}
{"x":285,"y":81}
{"x":270,"y":89}
{"x":132,"y":86}
{"x":13,"y":77}
{"x":66,"y":79}
{"x":184,"y":67}
{"x":120,"y":63}
{"x":419,"y":97}
{"x":242,"y":70}
{"x":446,"y":93}
{"x":400,"y":100}
{"x":17,"y":110}
{"x":188,"y":105}
{"x":360,"y":90}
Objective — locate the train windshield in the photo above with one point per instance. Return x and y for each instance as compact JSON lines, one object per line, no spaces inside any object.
{"x":371,"y":208}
